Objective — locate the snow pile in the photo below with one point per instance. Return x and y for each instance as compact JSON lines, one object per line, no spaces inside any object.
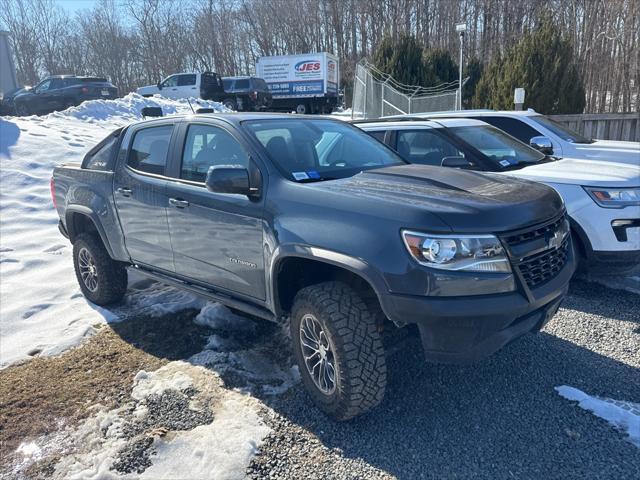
{"x":145,"y":384}
{"x":216,"y":316}
{"x":622,"y":415}
{"x":221,"y":449}
{"x":42,"y":311}
{"x":129,"y":108}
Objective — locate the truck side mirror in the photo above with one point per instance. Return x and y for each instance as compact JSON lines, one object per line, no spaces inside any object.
{"x":542,"y":144}
{"x":455,"y":162}
{"x":233,"y":179}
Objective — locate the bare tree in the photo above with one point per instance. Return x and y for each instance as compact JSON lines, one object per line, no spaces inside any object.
{"x":134,"y":42}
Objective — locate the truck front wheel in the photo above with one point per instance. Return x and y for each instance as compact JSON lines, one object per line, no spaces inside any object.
{"x":338,"y":350}
{"x":102,"y":280}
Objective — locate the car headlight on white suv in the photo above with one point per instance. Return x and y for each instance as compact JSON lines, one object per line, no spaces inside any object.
{"x":614,"y":197}
{"x":470,"y":253}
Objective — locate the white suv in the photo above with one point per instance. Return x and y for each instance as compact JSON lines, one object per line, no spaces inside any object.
{"x":601,"y":198}
{"x":551,"y":137}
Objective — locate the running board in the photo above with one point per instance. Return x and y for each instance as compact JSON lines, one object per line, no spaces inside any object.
{"x":225,"y":300}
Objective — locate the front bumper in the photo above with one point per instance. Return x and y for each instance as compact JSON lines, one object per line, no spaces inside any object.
{"x":607,"y":229}
{"x":467,"y":329}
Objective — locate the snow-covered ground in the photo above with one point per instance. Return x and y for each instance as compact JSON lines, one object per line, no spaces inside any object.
{"x":621,"y":414}
{"x":42,"y":311}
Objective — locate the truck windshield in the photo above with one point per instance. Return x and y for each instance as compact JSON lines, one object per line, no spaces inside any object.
{"x":501,"y":149}
{"x":560,"y":130}
{"x":316,"y":150}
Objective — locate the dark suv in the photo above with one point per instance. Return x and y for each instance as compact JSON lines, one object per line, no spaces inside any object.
{"x":61,"y":92}
{"x":246,"y":94}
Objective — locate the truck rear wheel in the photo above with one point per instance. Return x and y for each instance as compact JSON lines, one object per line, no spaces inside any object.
{"x":338,"y":349}
{"x":102,"y":280}
{"x":302,"y":108}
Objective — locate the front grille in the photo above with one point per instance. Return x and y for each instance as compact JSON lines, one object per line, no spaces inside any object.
{"x":535,"y":234}
{"x":542,"y":267}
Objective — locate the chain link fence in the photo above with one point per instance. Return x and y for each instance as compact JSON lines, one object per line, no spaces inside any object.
{"x":376,"y":94}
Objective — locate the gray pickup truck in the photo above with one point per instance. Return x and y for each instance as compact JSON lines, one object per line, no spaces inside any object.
{"x":313,"y":223}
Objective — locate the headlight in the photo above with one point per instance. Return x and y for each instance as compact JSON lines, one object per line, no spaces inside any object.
{"x":614,"y":197}
{"x":471,"y":253}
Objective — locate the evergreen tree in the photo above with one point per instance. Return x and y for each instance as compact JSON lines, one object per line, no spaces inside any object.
{"x":439,"y":64}
{"x":542,"y":63}
{"x":402,"y":59}
{"x":473,"y":71}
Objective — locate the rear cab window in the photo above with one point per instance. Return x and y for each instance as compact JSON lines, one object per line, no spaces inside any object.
{"x":149,"y":149}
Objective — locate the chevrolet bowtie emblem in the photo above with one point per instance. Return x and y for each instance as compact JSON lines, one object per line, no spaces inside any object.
{"x":555,"y":240}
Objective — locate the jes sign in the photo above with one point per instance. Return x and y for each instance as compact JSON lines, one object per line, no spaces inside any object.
{"x":307,"y":66}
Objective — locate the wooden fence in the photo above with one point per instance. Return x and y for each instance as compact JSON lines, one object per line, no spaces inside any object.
{"x":604,"y":126}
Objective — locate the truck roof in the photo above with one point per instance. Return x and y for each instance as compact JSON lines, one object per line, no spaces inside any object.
{"x":238,"y":117}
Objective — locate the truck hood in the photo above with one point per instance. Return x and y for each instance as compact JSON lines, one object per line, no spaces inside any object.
{"x":582,"y":172}
{"x":466,"y":201}
{"x":610,"y":150}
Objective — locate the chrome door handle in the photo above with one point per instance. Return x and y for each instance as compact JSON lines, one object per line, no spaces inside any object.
{"x":178,"y":203}
{"x":125,"y":192}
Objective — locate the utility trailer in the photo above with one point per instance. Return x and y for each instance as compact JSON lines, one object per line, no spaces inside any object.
{"x":307,"y":83}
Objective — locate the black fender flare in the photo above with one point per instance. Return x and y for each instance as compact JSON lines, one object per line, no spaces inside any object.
{"x":351,"y":264}
{"x":91,"y":215}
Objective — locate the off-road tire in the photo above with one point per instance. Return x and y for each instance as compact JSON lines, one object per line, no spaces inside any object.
{"x":360,"y":368}
{"x":111,"y":275}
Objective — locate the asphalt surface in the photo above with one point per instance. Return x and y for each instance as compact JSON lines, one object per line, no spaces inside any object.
{"x":500,"y":418}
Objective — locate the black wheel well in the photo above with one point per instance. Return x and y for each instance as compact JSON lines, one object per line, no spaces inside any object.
{"x":78,"y":223}
{"x":295,"y":273}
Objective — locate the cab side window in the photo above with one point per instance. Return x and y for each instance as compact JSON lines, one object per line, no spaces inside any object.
{"x":187,"y":80}
{"x":56,"y":83}
{"x":149,"y":149}
{"x":44,"y":86}
{"x":514,"y":127}
{"x":207,"y":146}
{"x":172,"y":81}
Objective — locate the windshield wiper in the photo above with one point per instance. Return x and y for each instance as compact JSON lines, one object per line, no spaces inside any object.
{"x":312,"y":180}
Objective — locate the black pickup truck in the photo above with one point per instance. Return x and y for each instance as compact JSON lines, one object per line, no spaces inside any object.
{"x":313,"y":223}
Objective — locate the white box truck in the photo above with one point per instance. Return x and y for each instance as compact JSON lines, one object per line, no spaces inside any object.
{"x":308,"y":83}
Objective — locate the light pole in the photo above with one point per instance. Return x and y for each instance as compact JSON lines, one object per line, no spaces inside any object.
{"x":460,"y":28}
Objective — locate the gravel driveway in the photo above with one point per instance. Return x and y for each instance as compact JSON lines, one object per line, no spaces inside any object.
{"x":501,"y":418}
